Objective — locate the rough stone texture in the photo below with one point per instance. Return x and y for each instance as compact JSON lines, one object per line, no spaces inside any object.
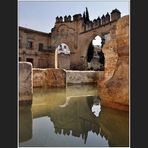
{"x":83,"y":77}
{"x":49,"y":77}
{"x":64,"y":61}
{"x":41,"y":58}
{"x":25,"y":82}
{"x":77,"y":77}
{"x":114,"y":89}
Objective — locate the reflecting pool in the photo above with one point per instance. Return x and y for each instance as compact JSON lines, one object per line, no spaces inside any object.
{"x":71,"y":117}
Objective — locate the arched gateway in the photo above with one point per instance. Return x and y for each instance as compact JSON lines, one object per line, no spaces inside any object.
{"x":79,"y":33}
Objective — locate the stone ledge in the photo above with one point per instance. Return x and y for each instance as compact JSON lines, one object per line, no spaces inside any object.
{"x":49,"y":77}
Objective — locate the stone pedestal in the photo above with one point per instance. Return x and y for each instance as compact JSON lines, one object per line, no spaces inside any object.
{"x":25,"y":83}
{"x":63,"y":61}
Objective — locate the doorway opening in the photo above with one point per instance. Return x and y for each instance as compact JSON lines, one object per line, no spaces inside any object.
{"x":95,"y":55}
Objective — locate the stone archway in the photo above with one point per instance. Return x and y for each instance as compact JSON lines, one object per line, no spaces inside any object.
{"x":95,"y":56}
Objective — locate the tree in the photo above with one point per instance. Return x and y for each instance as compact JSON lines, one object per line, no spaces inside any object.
{"x":84,"y":17}
{"x":87,"y":15}
{"x":90,"y":52}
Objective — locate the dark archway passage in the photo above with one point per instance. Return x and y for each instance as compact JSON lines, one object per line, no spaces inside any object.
{"x":90,"y":52}
{"x":95,"y":55}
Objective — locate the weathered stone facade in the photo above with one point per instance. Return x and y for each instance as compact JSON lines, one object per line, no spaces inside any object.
{"x":114,"y":89}
{"x":82,"y":77}
{"x":51,"y":77}
{"x":76,"y":33}
{"x":34,"y":48}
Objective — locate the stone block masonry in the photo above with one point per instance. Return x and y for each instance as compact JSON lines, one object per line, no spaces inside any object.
{"x":59,"y":78}
{"x":25,"y":83}
{"x":49,"y":77}
{"x":83,"y":77}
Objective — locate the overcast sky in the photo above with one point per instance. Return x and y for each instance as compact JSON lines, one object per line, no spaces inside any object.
{"x":40,"y":15}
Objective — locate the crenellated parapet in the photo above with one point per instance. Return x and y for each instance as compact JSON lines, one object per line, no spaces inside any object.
{"x":67,"y":18}
{"x":59,"y":19}
{"x":87,"y":24}
{"x":107,"y":18}
{"x":104,"y":20}
{"x":99,"y":21}
{"x":76,"y":17}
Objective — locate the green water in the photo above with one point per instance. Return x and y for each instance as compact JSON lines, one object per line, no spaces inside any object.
{"x":71,"y":117}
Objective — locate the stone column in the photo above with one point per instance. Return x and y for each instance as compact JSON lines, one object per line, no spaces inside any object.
{"x":25,"y":82}
{"x":64,"y":61}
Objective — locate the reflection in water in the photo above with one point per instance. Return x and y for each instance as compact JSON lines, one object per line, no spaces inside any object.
{"x":94,"y":104}
{"x":73,"y":117}
{"x":25,"y":123}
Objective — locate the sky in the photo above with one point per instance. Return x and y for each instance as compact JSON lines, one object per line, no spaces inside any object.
{"x":40,"y":15}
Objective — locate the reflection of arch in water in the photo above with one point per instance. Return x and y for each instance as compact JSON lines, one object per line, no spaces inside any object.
{"x":77,"y":119}
{"x":94,"y":104}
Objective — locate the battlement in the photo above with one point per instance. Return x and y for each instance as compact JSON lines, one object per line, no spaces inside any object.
{"x":66,"y":18}
{"x":88,"y":24}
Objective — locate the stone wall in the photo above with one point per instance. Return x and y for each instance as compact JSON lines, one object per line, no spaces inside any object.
{"x":82,"y":77}
{"x":25,"y":82}
{"x":49,"y":77}
{"x":114,"y":89}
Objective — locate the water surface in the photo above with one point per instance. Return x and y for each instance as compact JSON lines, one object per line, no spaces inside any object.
{"x":71,"y":117}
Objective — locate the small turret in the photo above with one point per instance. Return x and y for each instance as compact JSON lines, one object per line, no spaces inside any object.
{"x":61,"y":19}
{"x":77,"y":17}
{"x":107,"y":19}
{"x":99,"y":21}
{"x":65,"y":18}
{"x":95,"y":22}
{"x":69,"y":18}
{"x":57,"y":19}
{"x":115,"y":15}
{"x":103,"y":19}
